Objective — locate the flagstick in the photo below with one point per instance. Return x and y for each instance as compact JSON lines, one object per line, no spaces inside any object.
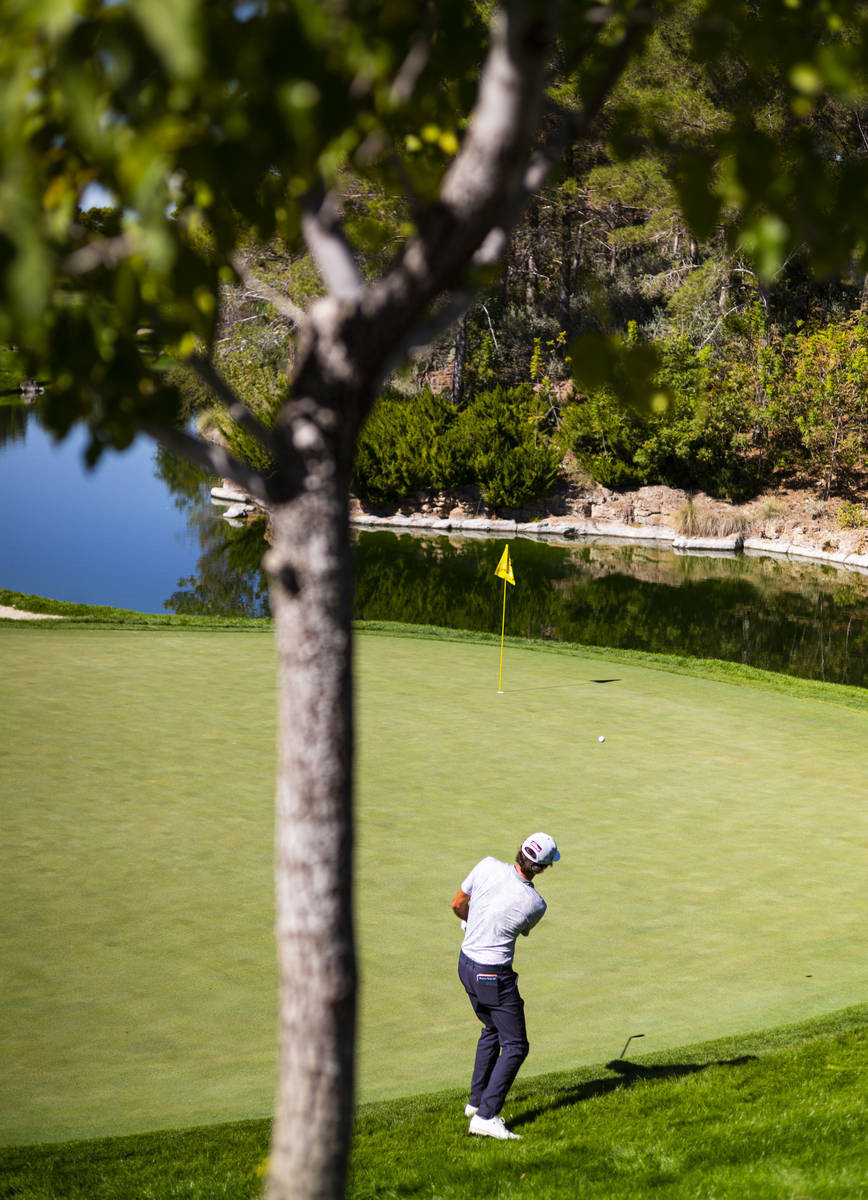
{"x":502,"y":628}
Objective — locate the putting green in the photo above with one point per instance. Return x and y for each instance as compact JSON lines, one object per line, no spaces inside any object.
{"x":711,"y":881}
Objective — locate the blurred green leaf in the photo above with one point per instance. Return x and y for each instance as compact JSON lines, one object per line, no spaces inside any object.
{"x":174,"y":28}
{"x":630,"y":369}
{"x":765,"y":239}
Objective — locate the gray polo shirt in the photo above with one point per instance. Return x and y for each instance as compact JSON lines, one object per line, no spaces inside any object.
{"x":502,"y":905}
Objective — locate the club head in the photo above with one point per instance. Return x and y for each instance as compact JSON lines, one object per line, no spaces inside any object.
{"x":630,"y":1039}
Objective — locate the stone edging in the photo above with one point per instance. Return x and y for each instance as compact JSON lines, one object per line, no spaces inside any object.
{"x":239,"y":506}
{"x":564,"y":527}
{"x":853,"y":562}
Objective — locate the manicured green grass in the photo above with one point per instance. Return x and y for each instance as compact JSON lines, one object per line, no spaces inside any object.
{"x":136,"y":930}
{"x":775,"y":1116}
{"x":711,"y":881}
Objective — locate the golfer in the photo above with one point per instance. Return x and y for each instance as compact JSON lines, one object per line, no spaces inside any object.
{"x":498,"y":901}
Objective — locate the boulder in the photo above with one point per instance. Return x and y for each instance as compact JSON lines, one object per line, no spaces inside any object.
{"x":226,"y":495}
{"x":236,"y":512}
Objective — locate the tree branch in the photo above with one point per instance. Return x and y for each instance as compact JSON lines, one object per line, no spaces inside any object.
{"x":481,"y":198}
{"x":717,"y":326}
{"x":101,"y":252}
{"x":326,"y":241}
{"x":638,"y":25}
{"x":488,"y":185}
{"x":415,"y":62}
{"x":438,"y":322}
{"x":575,"y":125}
{"x":506,"y":115}
{"x":234,"y":405}
{"x":477,"y":186}
{"x":211,"y":457}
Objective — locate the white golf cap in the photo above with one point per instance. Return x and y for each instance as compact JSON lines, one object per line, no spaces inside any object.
{"x":541,"y":848}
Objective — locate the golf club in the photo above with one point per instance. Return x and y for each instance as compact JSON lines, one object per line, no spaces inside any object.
{"x":628,"y":1041}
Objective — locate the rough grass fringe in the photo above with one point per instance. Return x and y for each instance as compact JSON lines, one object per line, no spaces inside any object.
{"x":699,"y":520}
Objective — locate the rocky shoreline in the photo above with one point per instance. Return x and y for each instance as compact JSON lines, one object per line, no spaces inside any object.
{"x":789,"y":523}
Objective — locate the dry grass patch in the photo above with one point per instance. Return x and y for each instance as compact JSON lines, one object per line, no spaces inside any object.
{"x":698,"y":519}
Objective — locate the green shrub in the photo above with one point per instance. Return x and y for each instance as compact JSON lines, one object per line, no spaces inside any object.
{"x":851,"y":516}
{"x":509,"y":454}
{"x":422,"y":441}
{"x":818,"y":419}
{"x":604,"y":435}
{"x":699,"y":442}
{"x":408,"y":443}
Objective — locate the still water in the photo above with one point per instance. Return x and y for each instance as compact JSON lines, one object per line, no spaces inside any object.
{"x":141,"y":533}
{"x":138,"y":532}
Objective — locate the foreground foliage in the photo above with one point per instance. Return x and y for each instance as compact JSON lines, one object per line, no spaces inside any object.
{"x":775,"y":1114}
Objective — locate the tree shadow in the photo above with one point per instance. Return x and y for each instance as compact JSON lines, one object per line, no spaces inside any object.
{"x":627,"y":1073}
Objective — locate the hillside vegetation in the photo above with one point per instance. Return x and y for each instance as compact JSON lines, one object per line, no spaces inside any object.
{"x":762,"y":409}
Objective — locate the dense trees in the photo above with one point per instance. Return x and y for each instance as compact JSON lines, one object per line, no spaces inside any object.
{"x":394,"y":148}
{"x":760,"y":408}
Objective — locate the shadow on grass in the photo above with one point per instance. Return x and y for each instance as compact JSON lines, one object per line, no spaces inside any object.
{"x":561,"y":687}
{"x":627,"y":1073}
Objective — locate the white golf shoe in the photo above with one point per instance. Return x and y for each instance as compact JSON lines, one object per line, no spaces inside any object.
{"x":492,"y":1127}
{"x":470,"y":1110}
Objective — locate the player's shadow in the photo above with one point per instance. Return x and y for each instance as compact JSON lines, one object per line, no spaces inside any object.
{"x":627,"y":1074}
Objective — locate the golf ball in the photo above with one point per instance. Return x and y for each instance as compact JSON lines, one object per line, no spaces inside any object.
{"x":601,"y":738}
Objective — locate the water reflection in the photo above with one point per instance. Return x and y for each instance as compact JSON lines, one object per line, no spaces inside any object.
{"x":228,"y":579}
{"x":13,"y":421}
{"x":800,"y":619}
{"x":803,"y":620}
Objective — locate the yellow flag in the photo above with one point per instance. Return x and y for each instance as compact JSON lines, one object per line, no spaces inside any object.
{"x":504,"y":567}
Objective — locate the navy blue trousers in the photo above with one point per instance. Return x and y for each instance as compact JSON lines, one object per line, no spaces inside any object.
{"x":503,"y":1045}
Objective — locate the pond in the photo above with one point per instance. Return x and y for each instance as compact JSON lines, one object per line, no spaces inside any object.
{"x":141,"y":533}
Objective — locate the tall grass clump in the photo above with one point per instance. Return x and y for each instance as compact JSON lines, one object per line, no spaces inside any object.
{"x":695,"y":519}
